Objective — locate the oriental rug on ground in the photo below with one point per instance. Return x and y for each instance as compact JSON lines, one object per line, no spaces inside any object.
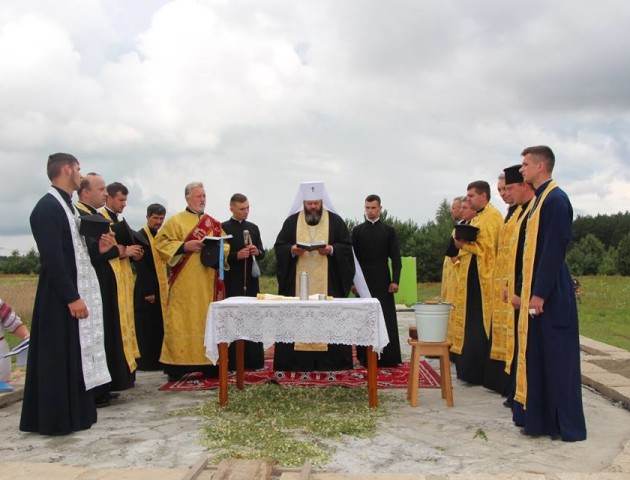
{"x":395,"y":377}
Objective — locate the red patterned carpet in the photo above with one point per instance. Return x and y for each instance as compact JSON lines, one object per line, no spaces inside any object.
{"x":387,"y":378}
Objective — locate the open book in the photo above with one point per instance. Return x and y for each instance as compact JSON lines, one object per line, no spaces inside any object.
{"x":21,"y":350}
{"x":309,"y":247}
{"x":209,"y":238}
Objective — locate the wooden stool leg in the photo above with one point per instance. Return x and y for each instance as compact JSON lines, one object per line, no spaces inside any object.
{"x":413,"y":375}
{"x":445,"y":372}
{"x":442,"y":373}
{"x":409,"y":382}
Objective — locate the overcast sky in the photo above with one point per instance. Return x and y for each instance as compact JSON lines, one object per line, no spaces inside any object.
{"x":408,"y":99}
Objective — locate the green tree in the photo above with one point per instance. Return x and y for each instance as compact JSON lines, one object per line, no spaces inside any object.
{"x":430,"y":243}
{"x":609,"y":263}
{"x":623,"y":256}
{"x":610,"y":229}
{"x":18,"y":264}
{"x":586,"y":256}
{"x":268,"y":263}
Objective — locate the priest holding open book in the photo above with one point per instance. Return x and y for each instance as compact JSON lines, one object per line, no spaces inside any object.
{"x":314,"y":239}
{"x":196,"y":280}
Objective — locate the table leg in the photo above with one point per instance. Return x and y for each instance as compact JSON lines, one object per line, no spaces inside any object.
{"x":372,"y":380}
{"x":223,"y":373}
{"x":240,"y":364}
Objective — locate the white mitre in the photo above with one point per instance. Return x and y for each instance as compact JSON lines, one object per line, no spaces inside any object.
{"x":317,"y":191}
{"x":311,"y":191}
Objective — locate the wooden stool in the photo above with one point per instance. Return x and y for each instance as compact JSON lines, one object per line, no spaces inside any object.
{"x":431,"y":349}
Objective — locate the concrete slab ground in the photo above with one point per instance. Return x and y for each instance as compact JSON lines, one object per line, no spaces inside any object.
{"x":137,"y":437}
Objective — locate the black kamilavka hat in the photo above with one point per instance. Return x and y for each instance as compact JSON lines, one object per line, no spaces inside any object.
{"x":210,"y":253}
{"x":93,"y":225}
{"x":467,"y":233}
{"x":513,"y":174}
{"x":123,"y":233}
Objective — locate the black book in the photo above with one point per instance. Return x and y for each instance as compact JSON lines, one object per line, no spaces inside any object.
{"x":309,"y":247}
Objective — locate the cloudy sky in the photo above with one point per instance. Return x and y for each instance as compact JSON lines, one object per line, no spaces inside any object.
{"x":408,"y":99}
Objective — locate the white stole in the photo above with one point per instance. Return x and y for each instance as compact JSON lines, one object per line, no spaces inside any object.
{"x":91,"y":335}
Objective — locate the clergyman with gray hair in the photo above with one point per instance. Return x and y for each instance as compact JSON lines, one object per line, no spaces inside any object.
{"x":193,"y":284}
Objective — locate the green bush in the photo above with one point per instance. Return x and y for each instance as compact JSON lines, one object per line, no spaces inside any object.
{"x":586,"y":256}
{"x":623,"y":256}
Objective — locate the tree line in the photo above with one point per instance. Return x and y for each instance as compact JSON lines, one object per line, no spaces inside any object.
{"x":601,"y":246}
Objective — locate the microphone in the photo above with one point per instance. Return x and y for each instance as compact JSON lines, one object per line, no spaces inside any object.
{"x":246,"y":239}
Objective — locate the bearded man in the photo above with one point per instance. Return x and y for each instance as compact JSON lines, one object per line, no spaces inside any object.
{"x":330,"y":270}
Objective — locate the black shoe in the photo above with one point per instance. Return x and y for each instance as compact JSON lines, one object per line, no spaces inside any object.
{"x":114,"y":395}
{"x":102,"y":402}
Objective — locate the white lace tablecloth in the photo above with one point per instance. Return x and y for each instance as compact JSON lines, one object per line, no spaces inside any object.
{"x":346,"y":321}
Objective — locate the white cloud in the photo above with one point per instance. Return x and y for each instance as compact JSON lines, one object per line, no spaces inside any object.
{"x":411,"y":100}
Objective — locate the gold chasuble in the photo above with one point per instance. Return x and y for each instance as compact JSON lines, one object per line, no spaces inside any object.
{"x":160,"y":270}
{"x":489,"y":221}
{"x":509,"y":331}
{"x":124,"y":292}
{"x":449,"y":280}
{"x":502,"y":312}
{"x":458,"y":276}
{"x":189,"y":296}
{"x":314,"y":264}
{"x":529,"y":255}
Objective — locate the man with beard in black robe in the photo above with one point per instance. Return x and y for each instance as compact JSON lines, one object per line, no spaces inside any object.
{"x":150,"y":293}
{"x":242,"y":277}
{"x":330,"y":269}
{"x":374,"y":244}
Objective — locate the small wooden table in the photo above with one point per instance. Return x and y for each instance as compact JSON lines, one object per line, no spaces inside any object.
{"x":437,"y":349}
{"x":357,"y":321}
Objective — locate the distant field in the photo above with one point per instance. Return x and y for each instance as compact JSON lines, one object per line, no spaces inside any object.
{"x":19,"y":292}
{"x":604,"y":311}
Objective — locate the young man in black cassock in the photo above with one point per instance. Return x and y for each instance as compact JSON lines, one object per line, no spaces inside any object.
{"x":245,"y":246}
{"x":150,"y":293}
{"x":374,"y":244}
{"x":120,"y":340}
{"x":313,"y":217}
{"x":66,"y":358}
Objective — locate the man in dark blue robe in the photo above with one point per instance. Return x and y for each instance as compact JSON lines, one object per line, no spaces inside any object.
{"x":56,"y":401}
{"x":552,"y":350}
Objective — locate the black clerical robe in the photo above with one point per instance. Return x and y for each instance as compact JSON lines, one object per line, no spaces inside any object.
{"x":122,"y":377}
{"x":148,"y":315}
{"x":240,"y":282}
{"x":374,"y":245}
{"x":340,"y":279}
{"x":55,"y":399}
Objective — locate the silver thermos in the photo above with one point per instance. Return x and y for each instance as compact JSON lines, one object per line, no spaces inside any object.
{"x":304,"y":286}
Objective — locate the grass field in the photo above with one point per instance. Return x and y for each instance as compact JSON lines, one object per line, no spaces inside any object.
{"x":604,"y":311}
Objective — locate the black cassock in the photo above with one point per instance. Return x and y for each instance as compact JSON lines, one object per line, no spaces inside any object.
{"x":340,"y":279}
{"x":148,"y":316}
{"x":374,"y":244}
{"x":235,"y":283}
{"x":55,"y":399}
{"x":122,"y":377}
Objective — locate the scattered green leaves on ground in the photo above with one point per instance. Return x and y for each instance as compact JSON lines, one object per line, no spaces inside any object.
{"x":288,"y":424}
{"x":480,"y":433}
